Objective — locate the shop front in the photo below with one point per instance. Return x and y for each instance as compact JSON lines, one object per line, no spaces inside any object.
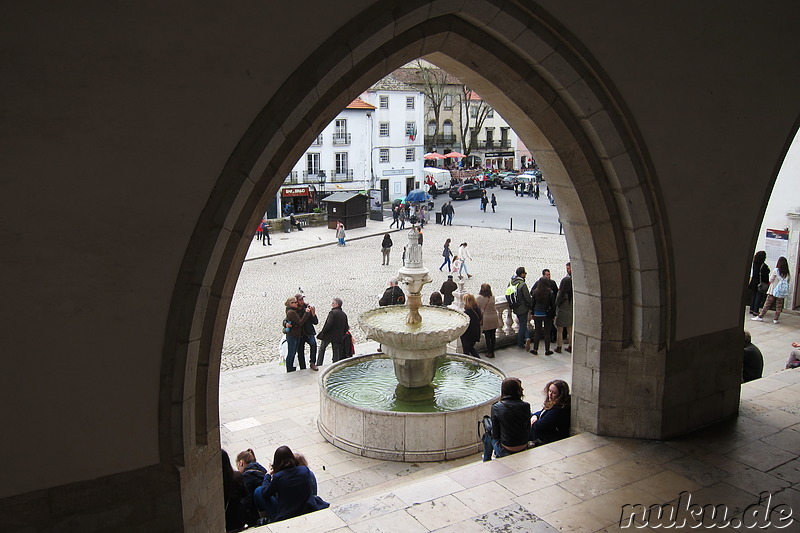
{"x":298,"y":200}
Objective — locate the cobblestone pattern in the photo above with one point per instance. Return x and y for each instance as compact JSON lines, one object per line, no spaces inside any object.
{"x":354,"y":273}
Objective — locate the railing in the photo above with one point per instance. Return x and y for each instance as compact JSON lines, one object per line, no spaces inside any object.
{"x":339,"y":177}
{"x":311,"y":178}
{"x":341,"y":139}
{"x":440,"y":140}
{"x":489,"y":144}
{"x":509,"y":322}
{"x":317,"y":141}
{"x":293,"y":178}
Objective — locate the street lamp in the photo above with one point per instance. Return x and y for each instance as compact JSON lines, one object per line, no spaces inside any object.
{"x":321,"y":178}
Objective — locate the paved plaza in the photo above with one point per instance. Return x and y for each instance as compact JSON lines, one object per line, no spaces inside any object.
{"x":579,"y":484}
{"x":310,"y":261}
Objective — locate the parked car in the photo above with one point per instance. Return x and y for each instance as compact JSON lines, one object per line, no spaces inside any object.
{"x":465,"y":191}
{"x":507,"y":180}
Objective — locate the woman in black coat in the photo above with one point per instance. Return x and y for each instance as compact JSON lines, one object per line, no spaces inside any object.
{"x":473,"y":334}
{"x":552,"y":422}
{"x":759,"y":275}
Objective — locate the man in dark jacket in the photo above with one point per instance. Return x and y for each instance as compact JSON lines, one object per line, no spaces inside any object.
{"x":753,"y":362}
{"x":524,"y":304}
{"x":333,"y":332}
{"x":553,"y":287}
{"x":447,"y":290}
{"x":309,"y":334}
{"x":393,"y":295}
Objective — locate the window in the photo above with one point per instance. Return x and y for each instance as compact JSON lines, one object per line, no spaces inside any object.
{"x":490,"y":113}
{"x":432,"y":128}
{"x":448,"y":128}
{"x":340,"y":131}
{"x":409,"y":102}
{"x":383,"y":130}
{"x":384,"y":102}
{"x":384,"y":155}
{"x":473,"y":111}
{"x":312,"y":163}
{"x":341,"y":163}
{"x":410,"y":154}
{"x":411,"y":128}
{"x":448,"y":101}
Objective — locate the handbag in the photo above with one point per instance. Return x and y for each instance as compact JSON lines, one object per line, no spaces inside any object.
{"x":763,"y":286}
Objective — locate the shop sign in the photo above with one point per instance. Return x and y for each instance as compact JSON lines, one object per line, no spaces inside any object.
{"x":499,"y":154}
{"x":294,"y":191}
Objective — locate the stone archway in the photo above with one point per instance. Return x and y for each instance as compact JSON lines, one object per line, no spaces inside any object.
{"x":566,"y":111}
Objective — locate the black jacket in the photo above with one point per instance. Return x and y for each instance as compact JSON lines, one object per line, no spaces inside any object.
{"x":447,"y":291}
{"x":335,"y":327}
{"x":252,"y":477}
{"x":553,"y":424}
{"x":511,"y":421}
{"x":392,"y":296}
{"x":311,"y":321}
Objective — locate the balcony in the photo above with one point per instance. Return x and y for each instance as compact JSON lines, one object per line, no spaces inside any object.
{"x":440,"y":140}
{"x":341,"y":139}
{"x":494,"y":144}
{"x":317,"y":141}
{"x":340,"y":177}
{"x":293,"y":178}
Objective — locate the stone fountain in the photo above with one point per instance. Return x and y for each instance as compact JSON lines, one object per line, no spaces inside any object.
{"x":428,"y":410}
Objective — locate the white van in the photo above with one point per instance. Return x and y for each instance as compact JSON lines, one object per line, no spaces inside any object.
{"x":436,"y":177}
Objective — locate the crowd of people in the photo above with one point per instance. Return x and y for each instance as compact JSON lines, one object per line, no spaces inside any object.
{"x":255,"y":495}
{"x":299,"y":327}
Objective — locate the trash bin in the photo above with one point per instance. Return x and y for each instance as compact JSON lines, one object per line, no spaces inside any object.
{"x":287,"y":227}
{"x":438,"y":218}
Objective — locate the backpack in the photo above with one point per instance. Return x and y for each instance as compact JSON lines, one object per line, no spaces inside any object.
{"x":782,"y":288}
{"x":287,"y":326}
{"x":511,"y":295}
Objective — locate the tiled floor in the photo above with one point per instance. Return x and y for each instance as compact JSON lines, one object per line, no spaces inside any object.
{"x":578,"y":484}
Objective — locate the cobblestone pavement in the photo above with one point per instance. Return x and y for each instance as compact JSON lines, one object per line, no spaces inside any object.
{"x":311,"y":261}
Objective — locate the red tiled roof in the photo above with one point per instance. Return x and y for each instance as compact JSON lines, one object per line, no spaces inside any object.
{"x":358,"y":103}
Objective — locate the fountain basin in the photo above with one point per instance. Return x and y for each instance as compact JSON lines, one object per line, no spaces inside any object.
{"x":414,"y":347}
{"x":440,"y":433}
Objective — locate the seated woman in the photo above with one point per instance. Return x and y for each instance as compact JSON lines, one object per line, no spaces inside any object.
{"x":552,"y":422}
{"x":289,"y":490}
{"x":510,"y":422}
{"x":252,"y":475}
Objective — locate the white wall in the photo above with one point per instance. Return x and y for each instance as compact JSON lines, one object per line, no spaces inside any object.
{"x":785,"y":197}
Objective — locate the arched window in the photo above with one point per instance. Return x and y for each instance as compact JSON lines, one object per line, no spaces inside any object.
{"x":448,"y":127}
{"x":432,"y":128}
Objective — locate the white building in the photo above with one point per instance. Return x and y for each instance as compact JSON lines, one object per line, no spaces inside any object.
{"x":398,"y":144}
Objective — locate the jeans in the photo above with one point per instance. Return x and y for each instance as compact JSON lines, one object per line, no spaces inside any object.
{"x":301,"y":350}
{"x":446,"y":262}
{"x":757,"y":300}
{"x":269,"y":506}
{"x":491,"y":339}
{"x":292,"y":343}
{"x":542,"y":325}
{"x":522,"y":334}
{"x":463,"y":268}
{"x":492,"y":445}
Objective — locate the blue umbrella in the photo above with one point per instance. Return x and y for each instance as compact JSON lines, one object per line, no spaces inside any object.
{"x":417,"y":195}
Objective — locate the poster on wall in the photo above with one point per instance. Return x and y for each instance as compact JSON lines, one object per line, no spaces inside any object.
{"x":375,"y":205}
{"x":777,"y":244}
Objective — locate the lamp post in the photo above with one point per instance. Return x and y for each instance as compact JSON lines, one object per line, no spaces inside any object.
{"x":321,"y":177}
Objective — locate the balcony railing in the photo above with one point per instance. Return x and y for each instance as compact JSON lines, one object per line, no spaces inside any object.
{"x":440,"y":140}
{"x":293,"y":178}
{"x":339,"y":177}
{"x":494,"y":144}
{"x":341,"y":139}
{"x":317,"y":141}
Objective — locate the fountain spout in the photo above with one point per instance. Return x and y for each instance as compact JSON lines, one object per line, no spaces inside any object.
{"x":414,"y":276}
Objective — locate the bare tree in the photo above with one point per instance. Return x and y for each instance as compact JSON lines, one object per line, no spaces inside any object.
{"x":474,"y":112}
{"x":434,"y":85}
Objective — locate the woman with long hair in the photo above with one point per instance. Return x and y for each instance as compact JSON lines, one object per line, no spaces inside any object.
{"x":564,"y":314}
{"x":543,"y":313}
{"x":293,"y":327}
{"x":463,"y":254}
{"x":386,"y":247}
{"x":510,"y":422}
{"x":759,"y":282}
{"x":233,"y":492}
{"x":778,"y":290}
{"x":289,"y":489}
{"x":473,"y":333}
{"x":447,"y":254}
{"x":552,"y":422}
{"x":491,"y":320}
